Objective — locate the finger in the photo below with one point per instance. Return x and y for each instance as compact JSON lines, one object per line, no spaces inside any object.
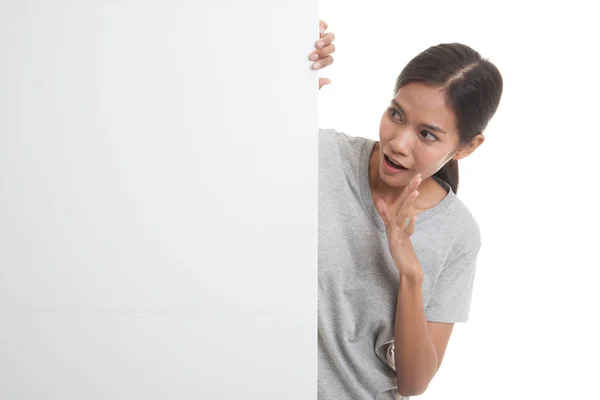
{"x":407,"y":210}
{"x":408,"y":190}
{"x":410,"y":202}
{"x":322,"y":27}
{"x":322,"y":53}
{"x":324,"y":48}
{"x":417,"y":179}
{"x":323,"y":63}
{"x":323,"y":82}
{"x":410,"y":229}
{"x":384,"y":212}
{"x":326,"y":40}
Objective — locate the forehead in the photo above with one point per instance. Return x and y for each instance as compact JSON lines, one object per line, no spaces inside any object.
{"x":425,"y":104}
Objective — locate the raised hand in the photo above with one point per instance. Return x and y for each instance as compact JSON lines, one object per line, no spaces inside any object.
{"x":400,"y":219}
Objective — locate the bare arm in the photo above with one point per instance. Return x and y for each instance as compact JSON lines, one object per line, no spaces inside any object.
{"x":419,"y":345}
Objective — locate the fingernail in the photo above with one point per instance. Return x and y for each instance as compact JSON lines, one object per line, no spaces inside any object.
{"x":317,"y":65}
{"x":320,"y":44}
{"x":314,"y":57}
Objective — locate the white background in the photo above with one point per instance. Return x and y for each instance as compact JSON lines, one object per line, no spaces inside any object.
{"x":532,"y":185}
{"x":150,"y":154}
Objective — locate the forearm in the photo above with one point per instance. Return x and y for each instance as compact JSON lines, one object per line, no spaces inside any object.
{"x":415,"y":353}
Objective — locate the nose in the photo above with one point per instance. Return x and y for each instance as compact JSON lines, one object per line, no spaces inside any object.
{"x":401,"y":142}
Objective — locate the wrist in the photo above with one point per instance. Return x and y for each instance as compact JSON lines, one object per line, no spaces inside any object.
{"x":412,"y":275}
{"x":407,"y":262}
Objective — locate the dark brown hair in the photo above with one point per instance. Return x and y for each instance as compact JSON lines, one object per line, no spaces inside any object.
{"x":473,"y":88}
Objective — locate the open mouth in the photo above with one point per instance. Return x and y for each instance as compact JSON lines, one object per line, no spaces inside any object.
{"x":393,"y":164}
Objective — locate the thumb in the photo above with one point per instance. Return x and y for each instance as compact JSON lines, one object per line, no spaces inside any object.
{"x":410,"y":229}
{"x":323,"y":82}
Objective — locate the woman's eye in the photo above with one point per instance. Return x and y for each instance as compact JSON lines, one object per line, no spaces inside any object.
{"x":429,"y":136}
{"x":395,"y":114}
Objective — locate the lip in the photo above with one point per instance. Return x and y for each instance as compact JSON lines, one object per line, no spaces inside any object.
{"x":395,"y":161}
{"x":391,"y":170}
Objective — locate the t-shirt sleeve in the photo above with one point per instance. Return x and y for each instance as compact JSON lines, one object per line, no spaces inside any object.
{"x":451,"y":298}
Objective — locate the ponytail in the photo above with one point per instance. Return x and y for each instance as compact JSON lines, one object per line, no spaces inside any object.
{"x":449,"y":174}
{"x":472,"y":88}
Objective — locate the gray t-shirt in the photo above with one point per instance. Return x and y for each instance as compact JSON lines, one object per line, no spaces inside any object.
{"x":358,"y":282}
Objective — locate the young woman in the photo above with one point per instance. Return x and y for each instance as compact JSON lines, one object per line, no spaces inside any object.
{"x":397,"y":248}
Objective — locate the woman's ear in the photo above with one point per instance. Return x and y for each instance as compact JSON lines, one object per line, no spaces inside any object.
{"x":465,"y":150}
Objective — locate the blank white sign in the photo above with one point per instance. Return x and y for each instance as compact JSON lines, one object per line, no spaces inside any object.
{"x":158,"y":199}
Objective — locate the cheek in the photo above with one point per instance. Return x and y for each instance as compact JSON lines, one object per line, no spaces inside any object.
{"x":386,"y":130}
{"x":430,"y":159}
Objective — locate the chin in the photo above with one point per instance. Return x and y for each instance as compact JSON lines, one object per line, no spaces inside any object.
{"x":395,"y":181}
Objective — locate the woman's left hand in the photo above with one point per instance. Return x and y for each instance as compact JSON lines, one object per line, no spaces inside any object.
{"x":400,"y":219}
{"x":322,"y":56}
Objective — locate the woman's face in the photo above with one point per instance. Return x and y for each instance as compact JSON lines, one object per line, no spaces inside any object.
{"x":418,"y":133}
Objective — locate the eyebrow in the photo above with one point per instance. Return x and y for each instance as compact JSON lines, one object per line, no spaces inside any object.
{"x":432,"y":127}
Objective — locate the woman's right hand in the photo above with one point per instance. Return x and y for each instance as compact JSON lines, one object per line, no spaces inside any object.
{"x":400,"y":219}
{"x":322,"y":56}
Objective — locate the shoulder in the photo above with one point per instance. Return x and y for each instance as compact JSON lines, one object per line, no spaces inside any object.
{"x":457,"y":224}
{"x":331,"y":138}
{"x":459,"y":214}
{"x":461,"y":221}
{"x":341,"y":151}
